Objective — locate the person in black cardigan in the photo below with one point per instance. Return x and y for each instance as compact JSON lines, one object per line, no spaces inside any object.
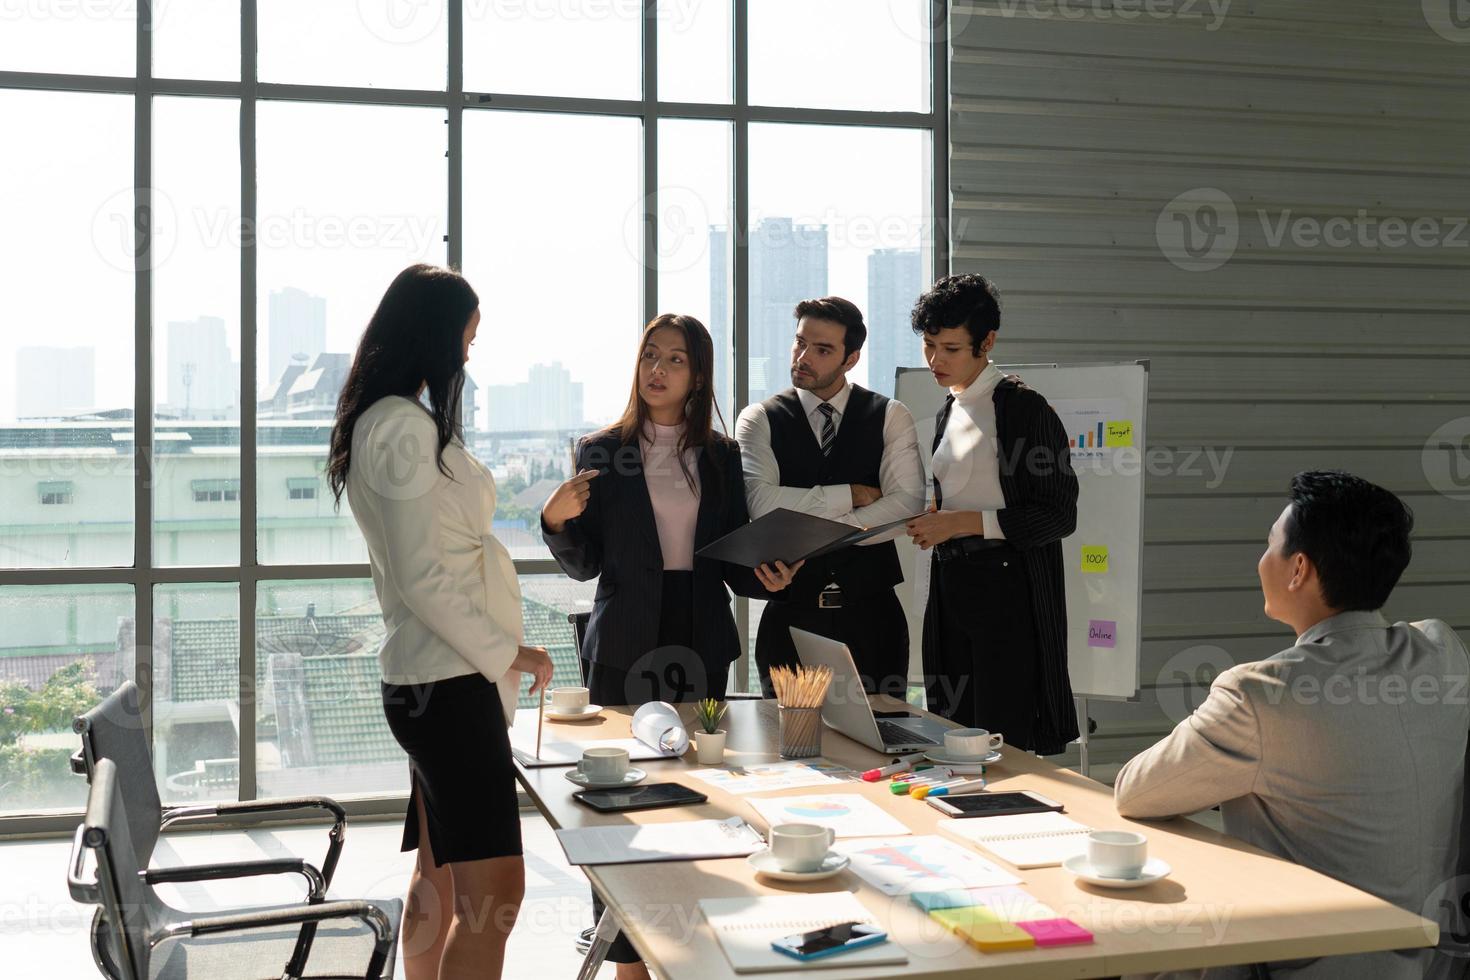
{"x":995,"y":626}
{"x":650,"y":491}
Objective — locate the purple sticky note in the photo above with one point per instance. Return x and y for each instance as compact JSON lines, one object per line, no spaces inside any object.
{"x":1102,"y":633}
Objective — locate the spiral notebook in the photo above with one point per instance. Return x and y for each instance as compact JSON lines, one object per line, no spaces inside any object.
{"x":1023,"y":840}
{"x":746,"y":926}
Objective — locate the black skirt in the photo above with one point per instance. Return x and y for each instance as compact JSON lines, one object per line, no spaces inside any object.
{"x":460,"y":766}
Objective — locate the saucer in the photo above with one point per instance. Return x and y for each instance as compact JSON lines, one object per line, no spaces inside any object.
{"x":1154,"y":869}
{"x":632,"y":776}
{"x":582,"y":714}
{"x":764,"y":862}
{"x":945,"y":759}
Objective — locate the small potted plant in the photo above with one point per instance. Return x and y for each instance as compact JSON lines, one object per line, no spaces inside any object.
{"x":709,"y":742}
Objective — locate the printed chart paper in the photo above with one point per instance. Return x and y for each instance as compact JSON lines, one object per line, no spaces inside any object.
{"x":848,"y":814}
{"x":899,"y":865}
{"x":767,"y":777}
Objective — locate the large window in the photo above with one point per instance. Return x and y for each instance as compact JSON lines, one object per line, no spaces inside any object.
{"x":200,"y":227}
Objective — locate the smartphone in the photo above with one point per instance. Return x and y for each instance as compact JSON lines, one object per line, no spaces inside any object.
{"x":830,"y":941}
{"x":992,"y":804}
{"x":648,"y":797}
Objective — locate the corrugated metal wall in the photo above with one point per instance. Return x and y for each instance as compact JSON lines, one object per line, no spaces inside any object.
{"x":1075,"y":125}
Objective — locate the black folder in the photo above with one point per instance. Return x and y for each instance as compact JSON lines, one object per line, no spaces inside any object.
{"x":789,"y":536}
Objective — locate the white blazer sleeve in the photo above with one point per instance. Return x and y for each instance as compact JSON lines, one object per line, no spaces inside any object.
{"x":406,"y":484}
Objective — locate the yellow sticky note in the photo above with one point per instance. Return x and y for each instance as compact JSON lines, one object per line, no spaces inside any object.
{"x":1095,"y":558}
{"x":1119,"y":434}
{"x":995,"y":937}
{"x":961,"y":918}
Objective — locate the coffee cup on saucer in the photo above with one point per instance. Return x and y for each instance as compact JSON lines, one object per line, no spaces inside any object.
{"x":1117,"y":853}
{"x":801,"y":846}
{"x":603,"y":764}
{"x":972,"y":743}
{"x":569,"y":700}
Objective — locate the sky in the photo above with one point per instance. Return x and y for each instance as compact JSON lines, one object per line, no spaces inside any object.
{"x":349,"y":195}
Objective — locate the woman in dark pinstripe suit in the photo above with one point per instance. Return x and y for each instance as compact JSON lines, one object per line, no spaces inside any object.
{"x":995,"y":627}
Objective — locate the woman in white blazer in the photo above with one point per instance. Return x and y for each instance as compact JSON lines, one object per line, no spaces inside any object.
{"x":453,"y":657}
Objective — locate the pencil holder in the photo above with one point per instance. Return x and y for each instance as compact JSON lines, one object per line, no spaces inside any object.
{"x":801,"y":732}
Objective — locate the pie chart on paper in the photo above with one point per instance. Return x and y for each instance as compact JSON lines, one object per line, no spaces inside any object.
{"x":819,"y":809}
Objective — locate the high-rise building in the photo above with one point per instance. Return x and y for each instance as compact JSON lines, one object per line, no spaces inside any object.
{"x":548,"y":400}
{"x":53,"y":382}
{"x":895,"y":278}
{"x":788,"y":263}
{"x":202,"y":380}
{"x":298,"y":325}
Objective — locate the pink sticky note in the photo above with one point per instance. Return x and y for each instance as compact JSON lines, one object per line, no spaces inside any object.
{"x":1102,"y":633}
{"x":1056,"y":932}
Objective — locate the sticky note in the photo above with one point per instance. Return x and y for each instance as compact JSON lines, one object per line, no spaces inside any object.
{"x":1056,"y":932}
{"x":952,"y":898}
{"x":1095,"y":558}
{"x":1119,"y":435}
{"x":995,"y":937}
{"x":1102,"y":633}
{"x":1011,"y":904}
{"x":954,"y":918}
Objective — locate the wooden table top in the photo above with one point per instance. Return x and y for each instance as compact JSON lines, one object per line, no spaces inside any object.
{"x":1225,"y":901}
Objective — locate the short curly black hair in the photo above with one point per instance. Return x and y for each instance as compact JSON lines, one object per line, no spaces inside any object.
{"x":1356,"y":534}
{"x":970,"y":301}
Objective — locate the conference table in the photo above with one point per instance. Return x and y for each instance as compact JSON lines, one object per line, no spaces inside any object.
{"x":1225,"y":901}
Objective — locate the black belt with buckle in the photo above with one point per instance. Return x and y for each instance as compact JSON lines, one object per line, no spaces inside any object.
{"x":830,"y":598}
{"x":960,"y":547}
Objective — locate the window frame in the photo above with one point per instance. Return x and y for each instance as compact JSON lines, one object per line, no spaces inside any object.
{"x":144,"y":575}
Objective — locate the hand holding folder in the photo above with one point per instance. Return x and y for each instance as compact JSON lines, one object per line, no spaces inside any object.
{"x":788,"y":536}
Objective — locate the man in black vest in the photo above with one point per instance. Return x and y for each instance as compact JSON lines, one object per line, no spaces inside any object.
{"x":830,"y":448}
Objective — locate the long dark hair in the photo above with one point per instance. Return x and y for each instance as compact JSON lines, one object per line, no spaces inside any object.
{"x":699,"y":410}
{"x":415,"y":336}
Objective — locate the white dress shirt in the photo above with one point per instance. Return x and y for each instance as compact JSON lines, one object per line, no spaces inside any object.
{"x":900,"y":473}
{"x":967,"y":462}
{"x":448,"y":589}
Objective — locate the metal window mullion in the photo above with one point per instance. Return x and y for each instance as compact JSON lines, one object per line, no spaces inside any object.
{"x":740,"y":275}
{"x":143,"y":366}
{"x":650,"y":160}
{"x":455,"y":239}
{"x":248,"y":352}
{"x":939,"y":136}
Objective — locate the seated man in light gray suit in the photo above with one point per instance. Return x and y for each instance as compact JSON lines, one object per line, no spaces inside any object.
{"x":1345,"y":752}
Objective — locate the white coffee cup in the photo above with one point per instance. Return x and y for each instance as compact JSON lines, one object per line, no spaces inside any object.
{"x":568,"y":700}
{"x":801,"y":846}
{"x":604,"y":764}
{"x":972,"y":742}
{"x":1117,"y":853}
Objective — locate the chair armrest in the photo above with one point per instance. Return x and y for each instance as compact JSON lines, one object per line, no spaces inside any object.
{"x":227,"y":811}
{"x":81,"y":889}
{"x":370,"y":913}
{"x":315,"y":884}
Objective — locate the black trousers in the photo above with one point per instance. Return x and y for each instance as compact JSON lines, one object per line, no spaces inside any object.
{"x":873,"y":627}
{"x":675,"y":674}
{"x":980,"y":644}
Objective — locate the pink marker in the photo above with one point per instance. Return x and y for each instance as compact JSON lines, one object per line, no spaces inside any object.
{"x":904,"y":762}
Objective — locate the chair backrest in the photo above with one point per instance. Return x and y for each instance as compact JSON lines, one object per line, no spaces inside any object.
{"x":579,"y":629}
{"x":129,"y":906}
{"x":114,"y":730}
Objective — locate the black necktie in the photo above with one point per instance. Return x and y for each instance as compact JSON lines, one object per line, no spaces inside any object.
{"x":939,"y":423}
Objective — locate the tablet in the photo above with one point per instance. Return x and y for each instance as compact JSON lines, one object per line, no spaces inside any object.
{"x":648,"y":797}
{"x":992,"y":804}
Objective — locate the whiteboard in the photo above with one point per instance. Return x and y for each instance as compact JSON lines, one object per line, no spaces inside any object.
{"x":1104,"y":410}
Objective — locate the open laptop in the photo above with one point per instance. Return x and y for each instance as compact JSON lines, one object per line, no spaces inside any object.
{"x":848,"y":710}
